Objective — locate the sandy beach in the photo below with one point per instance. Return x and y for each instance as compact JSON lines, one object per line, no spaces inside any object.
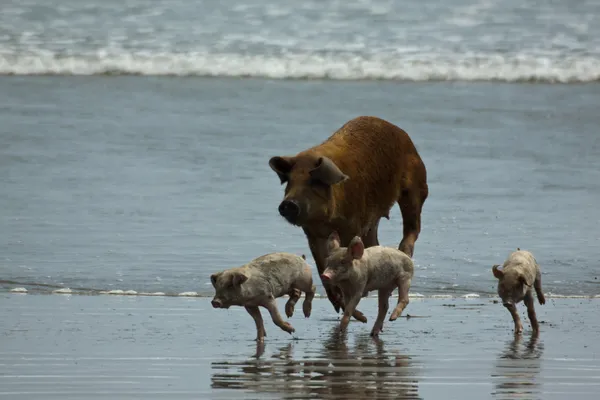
{"x":126,"y":347}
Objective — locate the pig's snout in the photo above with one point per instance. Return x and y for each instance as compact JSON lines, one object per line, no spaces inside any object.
{"x":326,"y":276}
{"x":289,"y":209}
{"x":216,"y":303}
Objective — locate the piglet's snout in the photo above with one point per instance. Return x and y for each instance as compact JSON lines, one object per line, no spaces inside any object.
{"x":216,"y":304}
{"x":326,"y":276}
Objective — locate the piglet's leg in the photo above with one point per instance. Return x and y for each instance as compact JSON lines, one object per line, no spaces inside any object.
{"x":271,"y":306}
{"x":260,"y":327}
{"x":291,"y":303}
{"x":384,"y":305}
{"x":403,"y":288}
{"x":308,"y":298}
{"x":351,"y":303}
{"x":513,"y":311}
{"x":531,"y":311}
{"x":537,"y":284}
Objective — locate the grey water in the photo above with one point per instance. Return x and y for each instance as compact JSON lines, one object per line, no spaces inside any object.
{"x":135,"y":135}
{"x":153,"y":183}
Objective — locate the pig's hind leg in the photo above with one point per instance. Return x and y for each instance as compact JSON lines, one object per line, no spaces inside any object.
{"x":537,"y":284}
{"x":291,"y":303}
{"x":305,"y":283}
{"x":384,"y":297}
{"x":529,"y":302}
{"x":260,"y":327}
{"x":403,"y":288}
{"x":271,"y":306}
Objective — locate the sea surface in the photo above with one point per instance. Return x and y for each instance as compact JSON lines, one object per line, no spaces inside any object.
{"x":135,"y":135}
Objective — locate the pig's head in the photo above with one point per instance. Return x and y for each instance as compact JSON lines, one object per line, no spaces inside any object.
{"x":512,"y":285}
{"x":228,"y":287}
{"x":308,"y":193}
{"x":340,"y":260}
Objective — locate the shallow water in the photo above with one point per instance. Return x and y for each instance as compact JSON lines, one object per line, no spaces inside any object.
{"x":74,"y":347}
{"x":152,"y":184}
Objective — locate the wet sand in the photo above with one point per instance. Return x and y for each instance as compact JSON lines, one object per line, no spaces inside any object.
{"x":124,"y":347}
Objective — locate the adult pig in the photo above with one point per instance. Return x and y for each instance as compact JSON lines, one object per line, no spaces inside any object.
{"x":260,"y":282}
{"x":347,"y":183}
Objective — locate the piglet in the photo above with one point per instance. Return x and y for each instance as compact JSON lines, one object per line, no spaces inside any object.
{"x":518,"y":274}
{"x":356,"y":271}
{"x":260,"y":282}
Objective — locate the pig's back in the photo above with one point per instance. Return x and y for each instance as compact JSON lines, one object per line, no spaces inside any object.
{"x":278,"y":270}
{"x":387,"y":264}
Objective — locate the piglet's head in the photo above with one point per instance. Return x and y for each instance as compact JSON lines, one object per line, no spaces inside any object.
{"x":512,"y":285}
{"x":341,"y":259}
{"x":228,"y":287}
{"x":309,"y":180}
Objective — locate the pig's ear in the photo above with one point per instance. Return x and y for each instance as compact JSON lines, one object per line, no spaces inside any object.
{"x":524,"y":280}
{"x":238,"y":278}
{"x":213,"y":279}
{"x":333,"y":242}
{"x":327,"y":172}
{"x":356,"y":248}
{"x":497,"y":273}
{"x":282,"y":166}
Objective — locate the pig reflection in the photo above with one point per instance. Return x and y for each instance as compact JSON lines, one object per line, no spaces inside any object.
{"x":260,"y":282}
{"x":357,"y":271}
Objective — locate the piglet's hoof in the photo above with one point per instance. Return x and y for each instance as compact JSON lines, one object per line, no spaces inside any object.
{"x":288,"y":328}
{"x":359,"y":316}
{"x":289,"y":310}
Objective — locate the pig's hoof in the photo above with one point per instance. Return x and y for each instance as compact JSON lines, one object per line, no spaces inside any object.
{"x":359,"y":316}
{"x":288,"y":328}
{"x":307,"y":308}
{"x":542,"y":300}
{"x":289,"y":310}
{"x":375,"y":332}
{"x":394,"y":316}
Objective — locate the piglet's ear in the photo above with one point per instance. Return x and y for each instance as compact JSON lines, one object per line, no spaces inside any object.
{"x":333,"y":242}
{"x":238,"y":278}
{"x":499,"y":274}
{"x":213,"y":279}
{"x":356,"y":248}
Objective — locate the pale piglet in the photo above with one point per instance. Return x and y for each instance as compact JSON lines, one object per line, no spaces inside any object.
{"x":356,"y":271}
{"x":260,"y":282}
{"x":518,"y":275}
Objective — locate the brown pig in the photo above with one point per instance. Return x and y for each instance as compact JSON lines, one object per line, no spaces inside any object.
{"x":357,"y":271}
{"x":260,"y":282}
{"x":518,"y":274}
{"x":348,"y":183}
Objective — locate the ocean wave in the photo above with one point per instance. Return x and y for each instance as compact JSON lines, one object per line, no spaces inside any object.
{"x":398,"y":67}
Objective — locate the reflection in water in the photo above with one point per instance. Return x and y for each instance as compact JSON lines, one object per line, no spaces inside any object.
{"x":517,"y":369}
{"x":367,"y":371}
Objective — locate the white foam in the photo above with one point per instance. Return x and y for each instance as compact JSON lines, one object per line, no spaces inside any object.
{"x":386,"y":66}
{"x":63,"y":291}
{"x":152,"y":294}
{"x":188,"y":294}
{"x":18,"y":290}
{"x":471,"y":296}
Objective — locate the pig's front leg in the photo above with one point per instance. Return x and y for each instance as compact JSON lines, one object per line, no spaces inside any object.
{"x":260,"y":327}
{"x":529,"y":302}
{"x":271,"y":306}
{"x":513,"y":311}
{"x":351,"y":301}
